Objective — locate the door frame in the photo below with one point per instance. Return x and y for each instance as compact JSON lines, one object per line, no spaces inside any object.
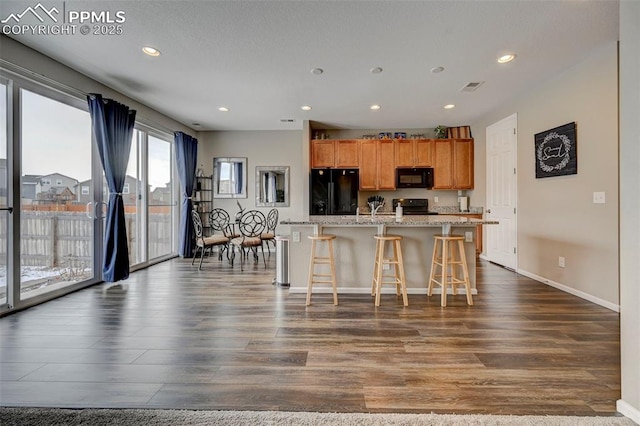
{"x":514,"y":119}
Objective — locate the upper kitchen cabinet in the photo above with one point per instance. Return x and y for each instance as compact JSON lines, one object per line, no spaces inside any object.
{"x":346,"y":153}
{"x":453,"y":163}
{"x":322,"y":154}
{"x":377,"y":165}
{"x":424,"y":158}
{"x":413,"y":153}
{"x":463,"y":164}
{"x":334,"y":153}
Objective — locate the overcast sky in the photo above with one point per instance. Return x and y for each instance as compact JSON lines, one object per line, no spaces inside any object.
{"x":56,"y":138}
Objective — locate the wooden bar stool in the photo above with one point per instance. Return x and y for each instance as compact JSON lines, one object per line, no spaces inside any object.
{"x":448,"y":254}
{"x":398,"y":277}
{"x":322,"y":260}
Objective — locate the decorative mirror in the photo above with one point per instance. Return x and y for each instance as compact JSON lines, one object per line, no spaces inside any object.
{"x":272,"y":186}
{"x":230,"y":177}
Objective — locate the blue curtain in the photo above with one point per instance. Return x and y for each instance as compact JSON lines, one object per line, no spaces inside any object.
{"x":186,"y":155}
{"x":112,"y":125}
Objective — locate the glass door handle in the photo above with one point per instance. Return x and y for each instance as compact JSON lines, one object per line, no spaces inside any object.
{"x":99,"y":210}
{"x":9,"y":209}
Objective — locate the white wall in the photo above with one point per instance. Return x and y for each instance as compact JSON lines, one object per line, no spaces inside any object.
{"x":556,"y":216}
{"x":629,"y":404}
{"x":262,"y":148}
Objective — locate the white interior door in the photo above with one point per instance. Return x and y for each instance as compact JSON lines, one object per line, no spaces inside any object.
{"x":502,"y":192}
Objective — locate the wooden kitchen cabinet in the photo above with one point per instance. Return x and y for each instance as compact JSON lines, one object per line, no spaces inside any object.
{"x":413,"y":153}
{"x":322,"y":153}
{"x":377,"y":165}
{"x":346,"y":154}
{"x":405,"y":152}
{"x":424,"y":157}
{"x":453,"y":164}
{"x":442,"y":164}
{"x":334,"y":153}
{"x":462,"y":163}
{"x":386,"y":165}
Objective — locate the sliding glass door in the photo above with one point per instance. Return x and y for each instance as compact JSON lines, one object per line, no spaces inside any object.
{"x":5,"y":203}
{"x":51,"y":243}
{"x":60,"y":216}
{"x":162,"y":197}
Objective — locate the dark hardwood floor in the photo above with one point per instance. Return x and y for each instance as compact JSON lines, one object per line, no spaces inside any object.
{"x":175,"y":337}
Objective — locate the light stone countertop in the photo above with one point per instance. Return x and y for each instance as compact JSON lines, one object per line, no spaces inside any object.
{"x":390,"y":220}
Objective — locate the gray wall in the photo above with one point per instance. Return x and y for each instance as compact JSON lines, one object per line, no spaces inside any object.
{"x":629,"y":207}
{"x":262,"y":148}
{"x":556,"y":216}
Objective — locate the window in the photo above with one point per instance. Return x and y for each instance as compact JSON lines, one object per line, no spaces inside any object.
{"x":46,"y":181}
{"x":125,"y":188}
{"x":58,"y":182}
{"x":84,"y":190}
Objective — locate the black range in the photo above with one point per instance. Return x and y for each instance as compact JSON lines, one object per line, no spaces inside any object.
{"x":413,"y":206}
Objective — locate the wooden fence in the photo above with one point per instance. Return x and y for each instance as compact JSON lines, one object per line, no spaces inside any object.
{"x":65,"y":239}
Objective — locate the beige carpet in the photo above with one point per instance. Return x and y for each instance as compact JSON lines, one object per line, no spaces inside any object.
{"x":94,"y":417}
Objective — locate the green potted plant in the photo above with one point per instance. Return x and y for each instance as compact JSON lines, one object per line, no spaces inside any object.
{"x":440,"y":131}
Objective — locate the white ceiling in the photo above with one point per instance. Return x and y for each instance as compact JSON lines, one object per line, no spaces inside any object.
{"x":256,"y":57}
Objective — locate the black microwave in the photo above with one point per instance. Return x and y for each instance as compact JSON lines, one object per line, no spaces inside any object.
{"x":416,"y":177}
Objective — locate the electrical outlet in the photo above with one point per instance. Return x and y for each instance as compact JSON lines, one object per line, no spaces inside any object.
{"x":296,"y":236}
{"x":599,"y":198}
{"x":435,"y":199}
{"x":561,"y":261}
{"x":468,"y":236}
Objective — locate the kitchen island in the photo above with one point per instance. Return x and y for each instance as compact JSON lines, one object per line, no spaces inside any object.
{"x":355,"y":247}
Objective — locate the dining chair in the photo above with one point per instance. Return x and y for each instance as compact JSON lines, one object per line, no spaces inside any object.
{"x":220,"y":221}
{"x":204,"y":243}
{"x":251,"y":226}
{"x":269,"y":236}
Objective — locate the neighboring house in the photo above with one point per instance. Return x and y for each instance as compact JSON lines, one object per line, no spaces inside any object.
{"x":55,"y":180}
{"x":56,"y":195}
{"x":29,"y":189}
{"x":84,"y":191}
{"x":161,"y":195}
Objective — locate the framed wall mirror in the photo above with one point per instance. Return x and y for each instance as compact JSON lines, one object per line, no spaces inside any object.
{"x":272,"y":186}
{"x":230,"y":177}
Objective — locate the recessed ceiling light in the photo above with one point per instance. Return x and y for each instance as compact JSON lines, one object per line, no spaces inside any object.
{"x":305,"y":108}
{"x":436,"y":70}
{"x":223,"y":109}
{"x":151,"y":51}
{"x":376,"y":70}
{"x":449,"y":106}
{"x":195,"y":124}
{"x":317,"y":71}
{"x":506,"y":58}
{"x":375,"y":107}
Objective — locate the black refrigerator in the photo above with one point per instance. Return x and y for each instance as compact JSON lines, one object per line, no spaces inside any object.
{"x":334,"y":191}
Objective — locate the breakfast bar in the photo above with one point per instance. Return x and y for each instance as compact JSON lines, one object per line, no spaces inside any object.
{"x":355,"y":248}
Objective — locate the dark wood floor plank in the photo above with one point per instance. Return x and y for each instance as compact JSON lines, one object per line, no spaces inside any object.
{"x":175,"y":337}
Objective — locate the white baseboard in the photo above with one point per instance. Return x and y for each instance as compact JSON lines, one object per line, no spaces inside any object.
{"x":364,"y":290}
{"x":566,"y":289}
{"x":627,"y":410}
